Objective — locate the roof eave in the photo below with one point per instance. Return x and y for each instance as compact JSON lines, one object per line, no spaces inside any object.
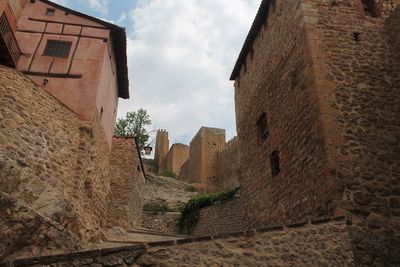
{"x":260,"y":19}
{"x":118,"y":36}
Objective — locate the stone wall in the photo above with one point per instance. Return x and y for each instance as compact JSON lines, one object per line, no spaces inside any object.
{"x":361,"y":73}
{"x":226,"y":165}
{"x":331,"y":99}
{"x":50,"y":160}
{"x":24,"y":232}
{"x":177,"y":155}
{"x":161,"y":222}
{"x":220,"y":218}
{"x":126,"y":184}
{"x":277,"y":80}
{"x":91,"y":182}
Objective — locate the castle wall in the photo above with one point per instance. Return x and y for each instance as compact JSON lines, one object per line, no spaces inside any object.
{"x":219,"y":218}
{"x":177,"y":155}
{"x":85,"y":80}
{"x":51,"y":161}
{"x":203,"y":149}
{"x":226,"y":165}
{"x":126,"y":185}
{"x":161,"y":151}
{"x":277,"y":80}
{"x":362,"y":74}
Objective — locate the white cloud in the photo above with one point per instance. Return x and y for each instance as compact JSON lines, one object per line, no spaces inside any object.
{"x":181,"y":53}
{"x":100,"y":6}
{"x":121,"y":19}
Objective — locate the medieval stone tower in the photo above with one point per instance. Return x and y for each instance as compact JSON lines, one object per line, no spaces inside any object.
{"x":162,"y":145}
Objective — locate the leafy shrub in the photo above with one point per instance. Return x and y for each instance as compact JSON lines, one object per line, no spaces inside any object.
{"x":191,"y":211}
{"x":167,"y":173}
{"x":154,"y":207}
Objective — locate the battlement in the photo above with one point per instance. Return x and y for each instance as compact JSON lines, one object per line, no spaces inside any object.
{"x":230,"y":145}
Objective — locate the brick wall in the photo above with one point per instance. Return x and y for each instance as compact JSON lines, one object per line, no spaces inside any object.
{"x":277,"y":80}
{"x":126,"y":185}
{"x":220,"y":218}
{"x":177,"y":155}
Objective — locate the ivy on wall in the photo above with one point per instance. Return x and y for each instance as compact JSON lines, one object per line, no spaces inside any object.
{"x":191,"y":211}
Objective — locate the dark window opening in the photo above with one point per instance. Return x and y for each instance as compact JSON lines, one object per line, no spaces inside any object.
{"x":275,"y":163}
{"x":50,"y":12}
{"x":57,"y":49}
{"x":262,"y":127}
{"x":357,"y":37}
{"x":369,"y":7}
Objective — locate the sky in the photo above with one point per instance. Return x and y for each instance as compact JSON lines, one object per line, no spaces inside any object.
{"x":180,"y":56}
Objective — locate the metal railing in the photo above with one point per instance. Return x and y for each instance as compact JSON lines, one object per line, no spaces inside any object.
{"x":9,"y":40}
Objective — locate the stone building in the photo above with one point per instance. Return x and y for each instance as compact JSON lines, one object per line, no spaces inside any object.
{"x":161,"y":151}
{"x":66,"y":179}
{"x":203,"y":148}
{"x":176,"y":157}
{"x":316,"y":95}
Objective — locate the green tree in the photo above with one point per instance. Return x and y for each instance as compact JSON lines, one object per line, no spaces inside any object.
{"x":134,"y":124}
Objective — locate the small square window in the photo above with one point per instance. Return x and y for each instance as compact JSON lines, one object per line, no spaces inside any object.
{"x":57,"y":48}
{"x":262,"y":127}
{"x":275,"y":163}
{"x":50,"y":12}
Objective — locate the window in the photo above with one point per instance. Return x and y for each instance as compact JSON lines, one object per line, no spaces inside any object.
{"x":262,"y":127}
{"x":275,"y":163}
{"x":369,"y":7}
{"x":50,"y":12}
{"x":57,"y":48}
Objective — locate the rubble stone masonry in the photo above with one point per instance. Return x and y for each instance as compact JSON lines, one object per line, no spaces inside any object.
{"x":326,"y":73}
{"x":360,"y":60}
{"x":277,"y":80}
{"x":126,"y":184}
{"x":50,"y":161}
{"x":219,"y":218}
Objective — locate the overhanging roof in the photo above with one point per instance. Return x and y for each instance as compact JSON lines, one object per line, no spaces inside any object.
{"x":118,"y":37}
{"x":261,"y":18}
